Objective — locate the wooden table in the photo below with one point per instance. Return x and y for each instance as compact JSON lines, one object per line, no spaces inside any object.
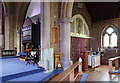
{"x":116,"y":59}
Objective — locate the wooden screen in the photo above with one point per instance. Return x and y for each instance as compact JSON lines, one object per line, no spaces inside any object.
{"x":78,"y":47}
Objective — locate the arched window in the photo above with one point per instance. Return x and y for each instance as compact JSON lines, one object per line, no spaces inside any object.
{"x":114,"y":40}
{"x":110,"y":37}
{"x":106,"y":40}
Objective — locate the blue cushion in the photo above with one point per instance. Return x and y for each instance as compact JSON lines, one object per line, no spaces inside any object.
{"x":84,"y":77}
{"x":58,"y":71}
{"x":117,"y":71}
{"x":30,"y":57}
{"x":22,"y":53}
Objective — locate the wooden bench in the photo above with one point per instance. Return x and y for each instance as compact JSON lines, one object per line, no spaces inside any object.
{"x":69,"y":74}
{"x":8,"y":52}
{"x":116,"y":59}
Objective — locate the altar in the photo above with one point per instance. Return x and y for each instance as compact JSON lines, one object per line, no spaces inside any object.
{"x":94,"y":60}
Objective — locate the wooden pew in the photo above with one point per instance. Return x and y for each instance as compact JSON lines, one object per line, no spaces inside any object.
{"x":68,"y":74}
{"x":116,"y":59}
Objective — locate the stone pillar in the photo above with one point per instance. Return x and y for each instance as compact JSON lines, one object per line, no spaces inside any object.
{"x":7,"y":31}
{"x":45,"y":29}
{"x":65,"y":26}
{"x":1,"y":35}
{"x":1,"y":40}
{"x":18,"y":42}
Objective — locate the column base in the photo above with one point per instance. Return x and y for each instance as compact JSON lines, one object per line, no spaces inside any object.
{"x":66,"y":63}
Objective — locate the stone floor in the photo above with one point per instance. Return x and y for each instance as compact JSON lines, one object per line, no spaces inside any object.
{"x":102,"y":75}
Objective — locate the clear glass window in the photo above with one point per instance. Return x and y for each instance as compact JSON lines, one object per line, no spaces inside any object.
{"x":106,"y":40}
{"x":109,"y":30}
{"x":110,"y":38}
{"x":113,"y":40}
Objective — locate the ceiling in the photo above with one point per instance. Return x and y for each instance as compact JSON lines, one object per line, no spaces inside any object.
{"x":103,"y":10}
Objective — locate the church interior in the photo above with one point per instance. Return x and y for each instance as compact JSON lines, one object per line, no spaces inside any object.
{"x":59,"y":41}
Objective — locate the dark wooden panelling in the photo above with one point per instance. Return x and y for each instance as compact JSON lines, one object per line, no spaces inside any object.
{"x":78,"y":47}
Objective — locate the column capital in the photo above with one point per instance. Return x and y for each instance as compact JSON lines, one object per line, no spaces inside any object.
{"x":65,"y":19}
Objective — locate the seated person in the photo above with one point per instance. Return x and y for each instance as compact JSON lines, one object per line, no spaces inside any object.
{"x":28,"y":52}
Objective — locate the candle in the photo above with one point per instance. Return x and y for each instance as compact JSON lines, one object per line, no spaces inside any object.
{"x":59,"y":65}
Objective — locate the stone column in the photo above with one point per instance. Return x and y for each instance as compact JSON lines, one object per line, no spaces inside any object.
{"x":65,"y":26}
{"x":1,"y":35}
{"x":45,"y":29}
{"x":1,"y":40}
{"x":7,"y":31}
{"x":18,"y":42}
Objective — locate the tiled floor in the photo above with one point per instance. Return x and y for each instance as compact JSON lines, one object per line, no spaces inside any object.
{"x":103,"y":75}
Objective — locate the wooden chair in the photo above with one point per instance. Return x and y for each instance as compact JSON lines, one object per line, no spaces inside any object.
{"x":32,"y":57}
{"x":28,"y":57}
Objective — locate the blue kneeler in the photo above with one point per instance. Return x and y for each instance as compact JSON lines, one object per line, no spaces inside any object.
{"x":22,"y":53}
{"x":58,"y":71}
{"x":84,"y":77}
{"x":117,"y":71}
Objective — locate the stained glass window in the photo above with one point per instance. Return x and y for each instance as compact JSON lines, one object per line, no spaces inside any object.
{"x":72,"y":26}
{"x":79,"y":26}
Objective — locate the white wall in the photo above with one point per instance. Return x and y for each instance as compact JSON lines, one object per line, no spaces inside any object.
{"x":33,"y":9}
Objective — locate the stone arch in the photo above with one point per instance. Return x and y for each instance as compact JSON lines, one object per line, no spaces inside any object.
{"x":22,"y":13}
{"x":14,"y":15}
{"x":66,"y":9}
{"x":4,"y":7}
{"x":20,"y":20}
{"x":65,"y":19}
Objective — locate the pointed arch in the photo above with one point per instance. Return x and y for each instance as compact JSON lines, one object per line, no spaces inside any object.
{"x":66,"y":9}
{"x":84,"y":26}
{"x":106,"y":30}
